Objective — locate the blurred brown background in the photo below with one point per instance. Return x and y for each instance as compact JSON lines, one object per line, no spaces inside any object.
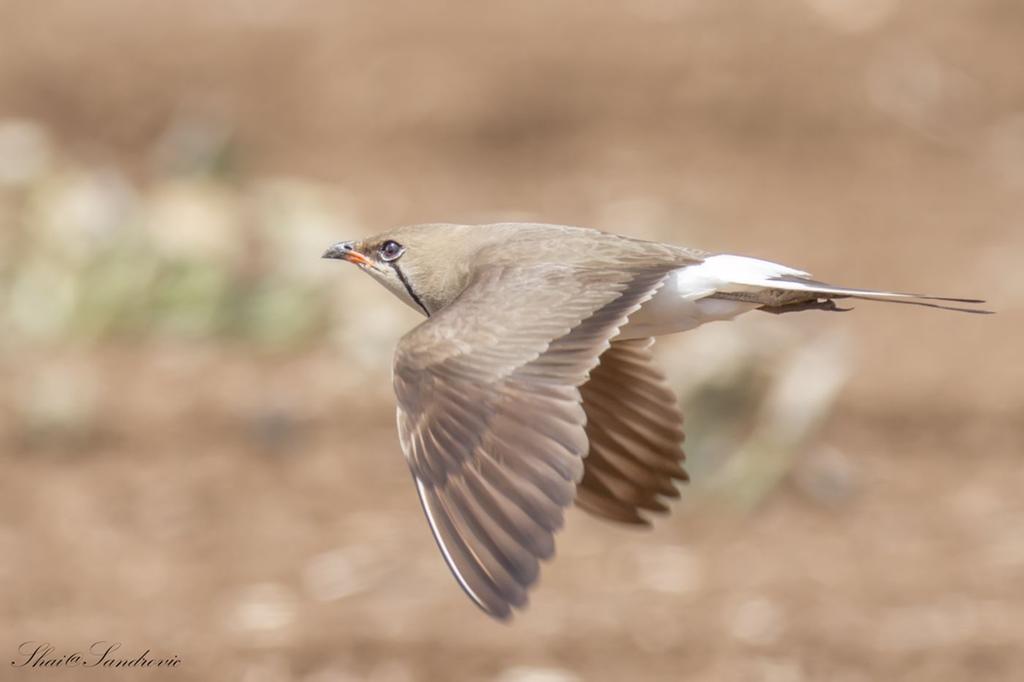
{"x":196,"y":424}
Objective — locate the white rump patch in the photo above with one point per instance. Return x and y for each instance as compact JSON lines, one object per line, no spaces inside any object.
{"x":722,"y":271}
{"x":683,"y":302}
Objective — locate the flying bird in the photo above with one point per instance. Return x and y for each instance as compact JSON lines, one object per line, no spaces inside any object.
{"x":531,"y":384}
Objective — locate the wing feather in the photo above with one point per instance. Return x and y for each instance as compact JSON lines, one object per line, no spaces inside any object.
{"x":635,"y":431}
{"x":490,"y":415}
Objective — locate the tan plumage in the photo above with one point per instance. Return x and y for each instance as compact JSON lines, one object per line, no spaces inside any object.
{"x":532,"y":384}
{"x":494,"y":430}
{"x":635,"y":431}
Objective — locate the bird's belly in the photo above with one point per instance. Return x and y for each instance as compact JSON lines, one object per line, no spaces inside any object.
{"x":681,"y":304}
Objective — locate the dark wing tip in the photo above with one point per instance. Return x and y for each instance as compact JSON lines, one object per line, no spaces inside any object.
{"x":499,"y":614}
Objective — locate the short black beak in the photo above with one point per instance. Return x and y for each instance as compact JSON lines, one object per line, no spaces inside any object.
{"x":338,"y":251}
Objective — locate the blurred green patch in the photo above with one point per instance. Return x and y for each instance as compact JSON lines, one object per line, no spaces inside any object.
{"x":87,"y":255}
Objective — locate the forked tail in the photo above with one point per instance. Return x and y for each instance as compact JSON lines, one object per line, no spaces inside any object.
{"x":824,"y":294}
{"x":778,"y":288}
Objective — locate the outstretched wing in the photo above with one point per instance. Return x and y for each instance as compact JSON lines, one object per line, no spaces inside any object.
{"x":635,"y":431}
{"x":490,"y":419}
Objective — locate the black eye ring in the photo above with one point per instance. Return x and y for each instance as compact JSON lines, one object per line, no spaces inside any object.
{"x":390,"y":250}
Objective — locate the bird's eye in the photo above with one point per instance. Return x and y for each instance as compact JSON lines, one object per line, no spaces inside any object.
{"x":390,"y":250}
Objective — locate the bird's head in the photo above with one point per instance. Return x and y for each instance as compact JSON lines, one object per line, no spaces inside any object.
{"x":426,"y":266}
